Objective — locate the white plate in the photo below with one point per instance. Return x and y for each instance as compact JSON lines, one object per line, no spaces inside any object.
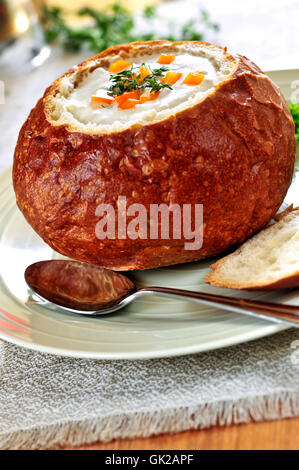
{"x":148,"y":328}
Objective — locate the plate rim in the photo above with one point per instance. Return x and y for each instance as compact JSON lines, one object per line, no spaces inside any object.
{"x":173,"y":352}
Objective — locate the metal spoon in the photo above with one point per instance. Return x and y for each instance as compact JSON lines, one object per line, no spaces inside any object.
{"x":89,"y":290}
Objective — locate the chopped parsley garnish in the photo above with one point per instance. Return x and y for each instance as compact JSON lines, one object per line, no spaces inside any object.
{"x":128,"y":80}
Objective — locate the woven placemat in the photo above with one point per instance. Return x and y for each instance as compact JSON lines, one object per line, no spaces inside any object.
{"x":48,"y":401}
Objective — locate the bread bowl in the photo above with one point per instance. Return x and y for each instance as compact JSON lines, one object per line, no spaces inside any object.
{"x":227,"y":143}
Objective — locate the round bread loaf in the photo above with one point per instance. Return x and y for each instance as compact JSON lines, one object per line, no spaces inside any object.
{"x":227,"y":143}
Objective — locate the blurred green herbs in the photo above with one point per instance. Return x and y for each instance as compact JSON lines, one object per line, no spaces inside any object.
{"x":294,"y":108}
{"x":115,"y":26}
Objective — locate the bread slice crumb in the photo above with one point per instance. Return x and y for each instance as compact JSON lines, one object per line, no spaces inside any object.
{"x":268,"y":260}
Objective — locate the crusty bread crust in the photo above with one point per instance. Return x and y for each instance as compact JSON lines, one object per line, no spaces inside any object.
{"x":234,"y":153}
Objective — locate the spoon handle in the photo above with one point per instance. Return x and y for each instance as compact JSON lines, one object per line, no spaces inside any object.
{"x":279,"y":313}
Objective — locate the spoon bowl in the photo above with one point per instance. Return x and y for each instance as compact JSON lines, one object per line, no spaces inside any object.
{"x":79,"y":287}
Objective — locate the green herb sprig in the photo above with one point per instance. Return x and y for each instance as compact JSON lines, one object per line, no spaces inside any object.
{"x":127,"y":80}
{"x":114,"y":26}
{"x":294,"y":108}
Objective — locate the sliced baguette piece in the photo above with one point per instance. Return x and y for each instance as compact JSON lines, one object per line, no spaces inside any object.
{"x":268,"y":260}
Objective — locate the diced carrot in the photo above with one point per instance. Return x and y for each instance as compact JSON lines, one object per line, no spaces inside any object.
{"x":144,"y":72}
{"x":102,"y":100}
{"x":119,"y":66}
{"x":133,"y":94}
{"x":128,"y":104}
{"x":193,"y":78}
{"x":166,"y":59}
{"x":149,"y":96}
{"x":171,"y":78}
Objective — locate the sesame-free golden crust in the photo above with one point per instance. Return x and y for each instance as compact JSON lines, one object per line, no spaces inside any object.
{"x":233,"y":152}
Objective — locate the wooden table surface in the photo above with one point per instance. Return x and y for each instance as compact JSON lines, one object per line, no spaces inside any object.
{"x":273,"y":435}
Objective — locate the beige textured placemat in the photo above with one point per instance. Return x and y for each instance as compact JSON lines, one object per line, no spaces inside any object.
{"x":47,"y":401}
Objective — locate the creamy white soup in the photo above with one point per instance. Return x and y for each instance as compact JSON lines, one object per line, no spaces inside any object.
{"x":73,"y":104}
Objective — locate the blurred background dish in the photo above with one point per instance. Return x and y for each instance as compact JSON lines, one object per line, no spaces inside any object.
{"x":22,"y":45}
